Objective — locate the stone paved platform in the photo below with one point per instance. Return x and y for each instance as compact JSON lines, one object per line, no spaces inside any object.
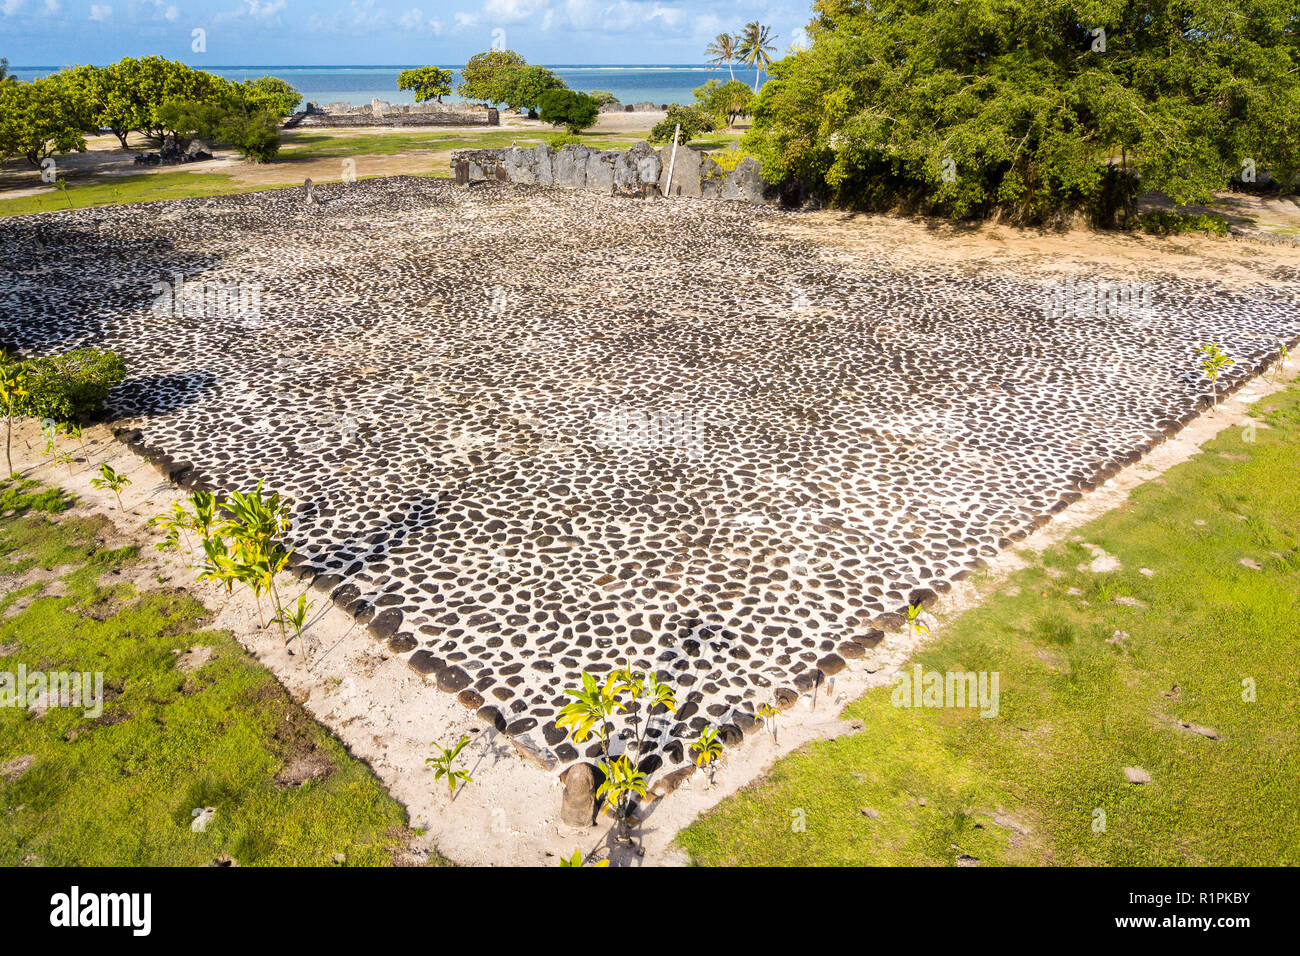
{"x":534,"y":432}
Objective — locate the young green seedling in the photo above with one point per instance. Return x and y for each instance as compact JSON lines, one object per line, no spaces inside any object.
{"x":914,"y":622}
{"x":707,"y":750}
{"x":111,"y":480}
{"x":444,"y":765}
{"x":768,"y":714}
{"x":623,"y":780}
{"x":1213,"y":361}
{"x":297,"y":619}
{"x":13,"y":382}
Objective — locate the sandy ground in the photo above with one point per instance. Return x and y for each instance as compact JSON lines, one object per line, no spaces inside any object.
{"x":1079,"y":251}
{"x":387,"y":715}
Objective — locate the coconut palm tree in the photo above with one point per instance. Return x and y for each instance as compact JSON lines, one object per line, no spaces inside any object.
{"x":756,"y":48}
{"x":724,"y":49}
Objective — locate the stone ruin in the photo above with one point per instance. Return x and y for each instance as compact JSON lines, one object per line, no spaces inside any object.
{"x":640,"y":171}
{"x":172,"y":154}
{"x":382,"y":113}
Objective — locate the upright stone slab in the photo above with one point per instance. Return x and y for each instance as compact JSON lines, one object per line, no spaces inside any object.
{"x":746,"y":183}
{"x":686,"y":172}
{"x":636,"y":172}
{"x":600,"y":172}
{"x":520,"y":166}
{"x":571,"y":166}
{"x":578,"y":804}
{"x":711,"y":178}
{"x":543,"y":163}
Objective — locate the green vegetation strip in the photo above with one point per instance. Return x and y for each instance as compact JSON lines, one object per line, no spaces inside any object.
{"x":144,"y":187}
{"x":121,"y":787}
{"x":1098,"y":671}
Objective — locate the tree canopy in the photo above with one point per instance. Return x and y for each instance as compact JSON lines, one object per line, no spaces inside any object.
{"x":151,"y":95}
{"x":568,"y":108}
{"x":488,"y":75}
{"x":428,"y":82}
{"x":725,"y":101}
{"x":1033,"y":107}
{"x":42,"y":118}
{"x":523,"y":87}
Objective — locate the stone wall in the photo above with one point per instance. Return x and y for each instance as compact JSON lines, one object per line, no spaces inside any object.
{"x":640,"y":171}
{"x":413,"y":118}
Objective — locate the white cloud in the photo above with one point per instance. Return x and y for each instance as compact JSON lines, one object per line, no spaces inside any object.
{"x":10,"y":7}
{"x":262,"y":8}
{"x":53,"y":6}
{"x":412,"y":21}
{"x":172,"y":14}
{"x":512,"y":11}
{"x":619,"y":16}
{"x":100,"y":12}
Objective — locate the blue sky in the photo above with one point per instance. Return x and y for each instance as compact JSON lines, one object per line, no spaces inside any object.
{"x":310,"y":32}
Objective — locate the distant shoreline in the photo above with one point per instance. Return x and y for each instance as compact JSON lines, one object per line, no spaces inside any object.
{"x":357,"y":85}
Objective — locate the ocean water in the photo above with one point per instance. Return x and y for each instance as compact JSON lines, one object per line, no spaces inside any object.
{"x":358,"y":85}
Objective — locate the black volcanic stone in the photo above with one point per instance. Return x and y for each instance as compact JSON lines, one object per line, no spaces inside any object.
{"x":453,"y":679}
{"x":422,"y":662}
{"x":401,"y":643}
{"x":492,"y":717}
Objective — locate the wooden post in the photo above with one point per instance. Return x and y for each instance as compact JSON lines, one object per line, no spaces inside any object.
{"x":672,"y":160}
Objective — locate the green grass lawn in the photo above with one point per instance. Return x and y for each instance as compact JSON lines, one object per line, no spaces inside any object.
{"x":300,"y":146}
{"x":143,"y":187}
{"x":1079,"y":704}
{"x":120,"y":788}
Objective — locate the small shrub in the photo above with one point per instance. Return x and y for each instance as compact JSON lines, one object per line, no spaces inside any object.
{"x":694,"y":121}
{"x":729,"y":159}
{"x":561,"y":140}
{"x":1162,"y":223}
{"x":256,"y":136}
{"x":69,"y":387}
{"x":572,"y":110}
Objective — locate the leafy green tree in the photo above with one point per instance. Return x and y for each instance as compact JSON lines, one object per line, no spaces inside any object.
{"x":525,"y":85}
{"x":255,"y":135}
{"x":429,"y":83}
{"x":116,"y":105}
{"x":41,"y":119}
{"x":693,"y":120}
{"x":4,"y":70}
{"x":756,"y":48}
{"x":188,"y":118}
{"x":568,"y":108}
{"x":135,"y":91}
{"x":266,"y":94}
{"x":603,"y":98}
{"x":488,"y":76}
{"x":1027,"y":108}
{"x":725,"y":48}
{"x":725,"y":101}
